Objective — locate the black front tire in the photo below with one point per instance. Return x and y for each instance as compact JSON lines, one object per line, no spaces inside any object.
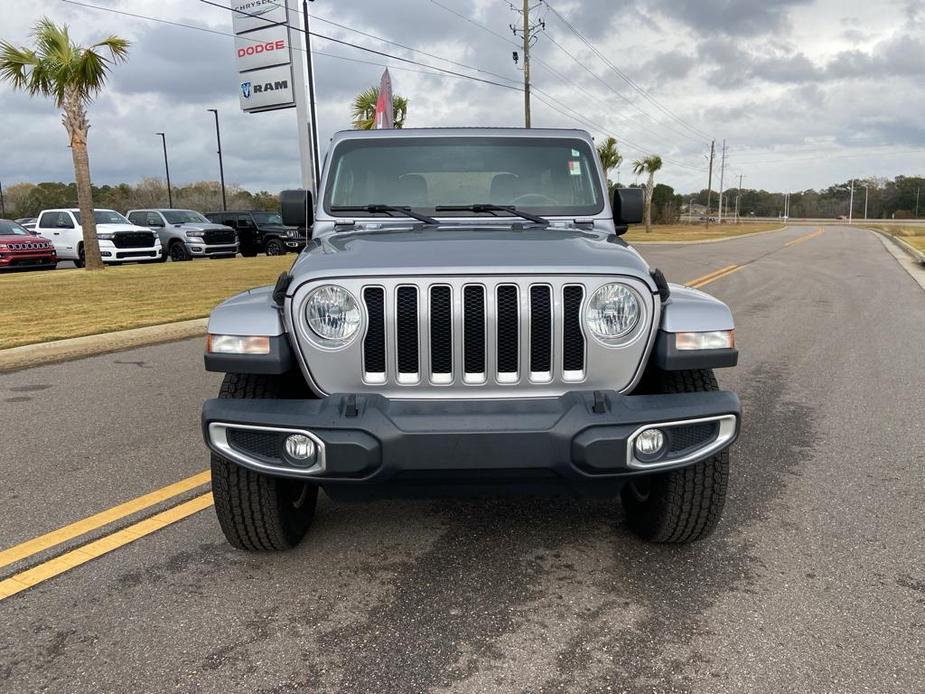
{"x":275,"y":247}
{"x":685,"y":505}
{"x":259,"y":512}
{"x":178,"y":252}
{"x":81,"y":260}
{"x":249,"y":252}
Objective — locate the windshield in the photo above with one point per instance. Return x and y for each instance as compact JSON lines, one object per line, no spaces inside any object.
{"x":8,"y":228}
{"x":183,"y":216}
{"x":545,"y":176}
{"x":267,"y":218}
{"x":105,"y":217}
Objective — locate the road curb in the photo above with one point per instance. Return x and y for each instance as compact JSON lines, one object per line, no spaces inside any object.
{"x":693,"y":243}
{"x":906,"y":260}
{"x":911,"y":250}
{"x":42,"y":353}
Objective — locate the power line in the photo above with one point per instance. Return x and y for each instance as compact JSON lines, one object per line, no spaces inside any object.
{"x":359,"y":47}
{"x":616,"y":92}
{"x":433,"y":71}
{"x":626,"y":78}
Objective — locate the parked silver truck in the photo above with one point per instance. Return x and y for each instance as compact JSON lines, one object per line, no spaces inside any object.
{"x":186,"y":234}
{"x":467,"y":319}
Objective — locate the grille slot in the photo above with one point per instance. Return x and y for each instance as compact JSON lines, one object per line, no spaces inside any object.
{"x":508,"y":332}
{"x":374,"y":344}
{"x":573,"y":341}
{"x":441,"y":332}
{"x":406,"y":327}
{"x":474,"y":331}
{"x":540,"y":332}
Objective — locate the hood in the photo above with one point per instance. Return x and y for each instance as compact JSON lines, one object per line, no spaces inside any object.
{"x":116,"y":228}
{"x":16,"y":238}
{"x":468,"y":251}
{"x":201,"y":226}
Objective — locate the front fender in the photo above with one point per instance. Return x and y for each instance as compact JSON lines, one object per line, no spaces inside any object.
{"x":251,"y":313}
{"x":691,"y":310}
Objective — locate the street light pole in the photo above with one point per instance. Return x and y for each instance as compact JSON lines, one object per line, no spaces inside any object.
{"x":221,"y":167}
{"x":866,"y":192}
{"x":851,"y":203}
{"x":167,"y":170}
{"x":2,"y":204}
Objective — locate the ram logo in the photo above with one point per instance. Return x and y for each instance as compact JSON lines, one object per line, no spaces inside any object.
{"x":246,"y":89}
{"x":270,"y":86}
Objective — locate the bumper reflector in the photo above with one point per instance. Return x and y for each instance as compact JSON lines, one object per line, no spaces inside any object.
{"x":238,"y":344}
{"x":715,"y":339}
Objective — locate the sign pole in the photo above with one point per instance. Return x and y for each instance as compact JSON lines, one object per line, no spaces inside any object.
{"x":306,"y":158}
{"x":316,"y":155}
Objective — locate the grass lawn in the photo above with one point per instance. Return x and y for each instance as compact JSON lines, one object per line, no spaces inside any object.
{"x":913,"y":235}
{"x":53,"y":305}
{"x":695,"y":232}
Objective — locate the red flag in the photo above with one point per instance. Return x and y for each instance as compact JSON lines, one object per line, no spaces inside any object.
{"x":384,"y":116}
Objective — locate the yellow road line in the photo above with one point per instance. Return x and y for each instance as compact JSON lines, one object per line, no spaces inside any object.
{"x":805,"y":238}
{"x":98,"y":520}
{"x":710,"y":275}
{"x":67,"y":561}
{"x":713,"y":276}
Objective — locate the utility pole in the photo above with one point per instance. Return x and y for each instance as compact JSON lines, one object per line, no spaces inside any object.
{"x":738,"y":195}
{"x":221,"y":166}
{"x":167,"y":170}
{"x":528,"y":32}
{"x":866,"y":191}
{"x":2,"y":204}
{"x":710,"y":180}
{"x":851,"y":203}
{"x":917,"y":191}
{"x":722,"y":173}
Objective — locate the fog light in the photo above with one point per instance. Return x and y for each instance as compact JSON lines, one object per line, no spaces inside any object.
{"x":650,"y":442}
{"x":299,"y":447}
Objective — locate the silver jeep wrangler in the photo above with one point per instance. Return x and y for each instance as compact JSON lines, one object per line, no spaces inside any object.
{"x":466,"y":319}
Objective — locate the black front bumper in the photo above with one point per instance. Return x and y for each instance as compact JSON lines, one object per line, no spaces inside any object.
{"x":580,"y":439}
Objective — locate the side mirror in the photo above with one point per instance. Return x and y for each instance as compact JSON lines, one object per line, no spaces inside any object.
{"x":628,"y":204}
{"x":297,"y":208}
{"x":157,"y":223}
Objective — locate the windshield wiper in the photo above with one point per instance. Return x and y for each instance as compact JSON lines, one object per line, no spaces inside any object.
{"x":407,"y":211}
{"x":488,"y":207}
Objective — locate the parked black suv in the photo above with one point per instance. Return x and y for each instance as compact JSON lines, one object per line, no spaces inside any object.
{"x":260,"y":231}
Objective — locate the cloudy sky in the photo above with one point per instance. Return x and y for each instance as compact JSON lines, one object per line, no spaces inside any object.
{"x":805,"y":92}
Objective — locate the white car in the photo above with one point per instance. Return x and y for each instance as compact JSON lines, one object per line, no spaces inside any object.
{"x":120,"y":240}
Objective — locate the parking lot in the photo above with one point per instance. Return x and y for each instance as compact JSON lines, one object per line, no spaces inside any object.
{"x":813,"y":582}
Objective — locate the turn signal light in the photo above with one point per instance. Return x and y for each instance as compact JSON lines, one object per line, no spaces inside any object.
{"x":715,"y":339}
{"x":238,"y":344}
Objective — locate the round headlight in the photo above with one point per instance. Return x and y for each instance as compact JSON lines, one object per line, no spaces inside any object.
{"x":612,"y":312}
{"x":332,"y":313}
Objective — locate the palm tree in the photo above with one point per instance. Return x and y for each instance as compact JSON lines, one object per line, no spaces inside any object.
{"x":610,"y":157}
{"x":364,"y":109}
{"x":72,"y":75}
{"x":649,"y":165}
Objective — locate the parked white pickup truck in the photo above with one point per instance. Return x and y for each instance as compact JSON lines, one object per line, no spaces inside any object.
{"x":120,"y":240}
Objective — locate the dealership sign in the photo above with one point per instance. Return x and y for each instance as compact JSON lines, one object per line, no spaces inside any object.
{"x":263,"y":52}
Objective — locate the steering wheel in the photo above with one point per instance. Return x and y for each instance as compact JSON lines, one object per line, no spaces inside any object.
{"x":535,"y":199}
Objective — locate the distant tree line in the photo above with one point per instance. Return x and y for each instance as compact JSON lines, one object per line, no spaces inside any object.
{"x":28,"y":199}
{"x":888,"y":199}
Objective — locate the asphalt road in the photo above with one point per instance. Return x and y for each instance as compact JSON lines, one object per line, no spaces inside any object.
{"x":814,"y":581}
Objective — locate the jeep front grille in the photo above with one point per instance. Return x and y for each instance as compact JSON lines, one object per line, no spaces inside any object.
{"x":448,"y":349}
{"x":451,"y":336}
